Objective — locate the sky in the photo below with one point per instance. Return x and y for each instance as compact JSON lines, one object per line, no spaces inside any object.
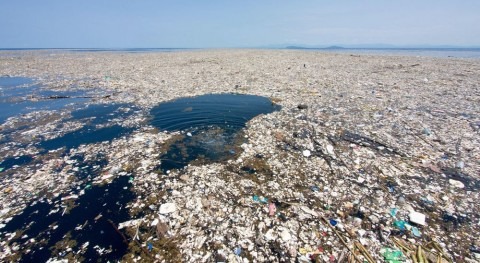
{"x":242,"y":23}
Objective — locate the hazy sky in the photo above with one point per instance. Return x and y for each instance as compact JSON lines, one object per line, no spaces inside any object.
{"x":242,"y":23}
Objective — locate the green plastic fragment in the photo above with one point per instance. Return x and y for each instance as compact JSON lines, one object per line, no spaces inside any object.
{"x":130,"y":180}
{"x":393,"y":212}
{"x":393,"y":255}
{"x":260,"y":199}
{"x":88,"y":186}
{"x":400,"y":224}
{"x":1,"y":169}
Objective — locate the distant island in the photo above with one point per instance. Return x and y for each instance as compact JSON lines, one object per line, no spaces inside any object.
{"x":334,"y":47}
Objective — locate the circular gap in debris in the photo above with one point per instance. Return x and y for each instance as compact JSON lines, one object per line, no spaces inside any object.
{"x":211,"y":126}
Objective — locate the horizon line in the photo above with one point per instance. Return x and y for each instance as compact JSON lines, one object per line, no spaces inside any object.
{"x":273,"y":46}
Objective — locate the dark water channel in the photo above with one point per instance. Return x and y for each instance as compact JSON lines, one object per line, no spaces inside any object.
{"x":93,"y":220}
{"x":93,"y":115}
{"x":19,"y":96}
{"x":12,"y":162}
{"x":211,"y":130}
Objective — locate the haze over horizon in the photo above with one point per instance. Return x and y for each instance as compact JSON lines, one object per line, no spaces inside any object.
{"x":221,"y":24}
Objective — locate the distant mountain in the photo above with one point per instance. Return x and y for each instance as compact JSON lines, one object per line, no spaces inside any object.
{"x":334,"y":47}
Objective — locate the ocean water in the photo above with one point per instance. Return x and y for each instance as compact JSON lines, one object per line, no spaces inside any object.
{"x":230,"y":111}
{"x":107,"y":203}
{"x":18,"y":95}
{"x":92,"y":115}
{"x":211,"y":125}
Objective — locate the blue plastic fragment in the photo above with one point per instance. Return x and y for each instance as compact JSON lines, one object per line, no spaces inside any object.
{"x":237,"y":251}
{"x":426,"y":201}
{"x":333,"y":222}
{"x":416,"y":232}
{"x":150,"y":246}
{"x":391,"y":187}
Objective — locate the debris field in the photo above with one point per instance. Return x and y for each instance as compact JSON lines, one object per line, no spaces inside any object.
{"x":371,"y":158}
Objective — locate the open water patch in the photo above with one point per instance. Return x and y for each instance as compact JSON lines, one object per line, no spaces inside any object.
{"x":107,"y":116}
{"x":13,"y":162}
{"x":86,"y":135}
{"x":19,"y":95}
{"x":14,"y":81}
{"x":88,"y":227}
{"x":230,"y":111}
{"x":102,"y":113}
{"x":211,"y":126}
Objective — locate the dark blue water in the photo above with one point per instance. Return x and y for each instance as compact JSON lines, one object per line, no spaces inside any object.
{"x":103,"y":113}
{"x":36,"y":221}
{"x":93,"y":115}
{"x":86,"y":135}
{"x":15,"y":161}
{"x":228,"y":111}
{"x":212,"y":126}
